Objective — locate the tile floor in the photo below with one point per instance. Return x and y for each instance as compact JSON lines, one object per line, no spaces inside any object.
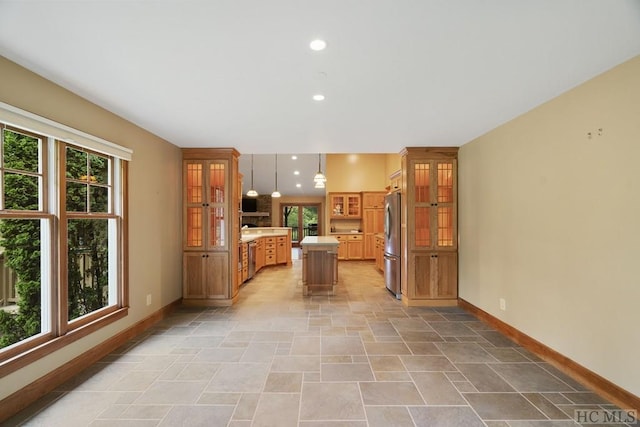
{"x":276,"y":358}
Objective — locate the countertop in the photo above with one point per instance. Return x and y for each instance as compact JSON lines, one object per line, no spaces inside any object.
{"x":345,"y":232}
{"x":319,"y":240}
{"x":253,"y":233}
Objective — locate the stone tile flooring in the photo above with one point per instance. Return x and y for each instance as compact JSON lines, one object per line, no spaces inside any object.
{"x":276,"y":358}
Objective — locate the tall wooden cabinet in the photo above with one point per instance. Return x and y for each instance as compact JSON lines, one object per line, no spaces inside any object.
{"x":210,"y":226}
{"x":430,"y":267}
{"x":372,"y":220}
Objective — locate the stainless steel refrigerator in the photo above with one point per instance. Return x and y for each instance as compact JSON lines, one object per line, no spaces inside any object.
{"x":392,"y":244}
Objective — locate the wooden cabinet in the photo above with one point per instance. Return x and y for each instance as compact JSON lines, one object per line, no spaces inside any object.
{"x":281,"y":249}
{"x":270,"y":255}
{"x":372,"y":220}
{"x":245,"y":262}
{"x":440,"y":273}
{"x":260,"y":254}
{"x":351,"y":246}
{"x":205,"y":275}
{"x":345,"y":205}
{"x":343,"y":246}
{"x":211,"y":226}
{"x":379,"y":252}
{"x":430,"y":226}
{"x":355,"y":246}
{"x":373,"y":199}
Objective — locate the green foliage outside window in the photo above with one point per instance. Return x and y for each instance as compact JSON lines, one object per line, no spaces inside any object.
{"x":20,"y":238}
{"x":88,"y":246}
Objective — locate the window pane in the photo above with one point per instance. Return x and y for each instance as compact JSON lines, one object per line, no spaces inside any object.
{"x":99,"y":168}
{"x":194,"y":227}
{"x":445,"y":226}
{"x":20,"y":280}
{"x":76,"y":197}
{"x":99,"y":198}
{"x":422,"y":183}
{"x":20,"y":191}
{"x":216,"y":183}
{"x":216,"y":224}
{"x":194,"y":183}
{"x":20,"y":152}
{"x":77,"y":164}
{"x":88,"y":266}
{"x":423,"y":229}
{"x":445,"y":182}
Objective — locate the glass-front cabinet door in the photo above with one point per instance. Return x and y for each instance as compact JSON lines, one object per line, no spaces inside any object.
{"x":217,"y":205}
{"x":345,"y":205}
{"x":205,"y":204}
{"x":434,"y":207}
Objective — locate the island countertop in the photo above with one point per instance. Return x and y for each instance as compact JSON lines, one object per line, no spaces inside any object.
{"x":319,"y":240}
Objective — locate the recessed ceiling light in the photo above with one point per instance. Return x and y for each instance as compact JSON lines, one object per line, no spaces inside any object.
{"x":298,"y":185}
{"x":294,"y":157}
{"x":296,"y":172}
{"x":318,"y":97}
{"x":318,"y":45}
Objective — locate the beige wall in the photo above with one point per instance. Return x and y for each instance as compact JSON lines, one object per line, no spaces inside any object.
{"x":356,"y":172}
{"x":154,"y":206}
{"x":549,"y":221}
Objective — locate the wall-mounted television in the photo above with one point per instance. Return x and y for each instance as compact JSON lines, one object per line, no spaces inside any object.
{"x":249,"y":205}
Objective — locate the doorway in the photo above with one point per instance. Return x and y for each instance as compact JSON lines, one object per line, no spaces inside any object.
{"x":303,"y":219}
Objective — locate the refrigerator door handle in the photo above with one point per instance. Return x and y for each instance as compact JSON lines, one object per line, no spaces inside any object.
{"x":387,"y":220}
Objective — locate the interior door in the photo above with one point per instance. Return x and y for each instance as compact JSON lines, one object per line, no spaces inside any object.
{"x":303,"y":219}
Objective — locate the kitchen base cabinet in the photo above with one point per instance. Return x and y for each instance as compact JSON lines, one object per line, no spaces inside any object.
{"x":282,"y":249}
{"x":205,"y":277}
{"x":260,"y":254}
{"x":351,"y":246}
{"x":379,"y":253}
{"x":436,"y":277}
{"x":270,"y":257}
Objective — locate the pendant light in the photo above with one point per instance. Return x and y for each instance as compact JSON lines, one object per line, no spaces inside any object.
{"x":252,"y":192}
{"x":319,"y":178}
{"x":276,"y":193}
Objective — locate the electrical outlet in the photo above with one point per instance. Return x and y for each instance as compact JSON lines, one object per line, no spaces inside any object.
{"x":503,"y":304}
{"x":148,"y":299}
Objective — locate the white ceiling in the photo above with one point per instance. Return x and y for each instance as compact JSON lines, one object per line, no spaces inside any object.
{"x":396,"y":73}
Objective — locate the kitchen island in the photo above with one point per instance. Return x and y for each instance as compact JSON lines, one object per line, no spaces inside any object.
{"x":319,"y":265}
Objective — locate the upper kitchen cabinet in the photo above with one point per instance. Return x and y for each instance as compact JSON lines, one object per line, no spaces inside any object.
{"x":430,"y":231}
{"x":210,"y":226}
{"x":373,"y":200}
{"x":345,"y":205}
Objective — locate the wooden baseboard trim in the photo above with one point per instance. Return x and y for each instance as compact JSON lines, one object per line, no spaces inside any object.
{"x":19,"y":400}
{"x":590,"y":379}
{"x":408,"y":302}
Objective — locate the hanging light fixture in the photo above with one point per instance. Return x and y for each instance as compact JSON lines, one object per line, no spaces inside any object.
{"x":319,"y":178}
{"x":252,"y":192}
{"x":276,"y":193}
